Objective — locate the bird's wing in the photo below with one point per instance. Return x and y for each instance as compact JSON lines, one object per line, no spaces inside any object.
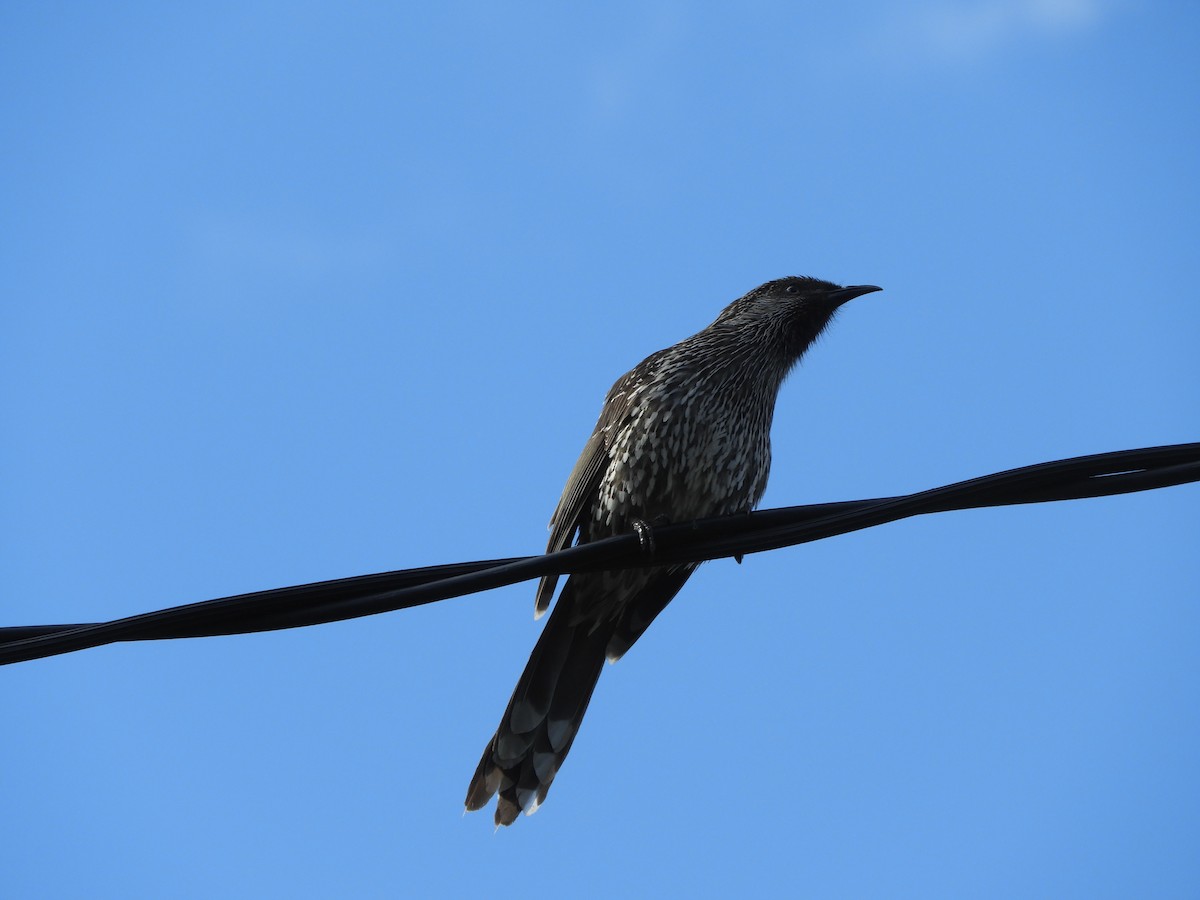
{"x":583,"y":484}
{"x":574,"y":505}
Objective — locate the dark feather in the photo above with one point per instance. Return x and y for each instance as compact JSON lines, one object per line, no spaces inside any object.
{"x":543,"y":716}
{"x":573,"y":508}
{"x":683,"y":435}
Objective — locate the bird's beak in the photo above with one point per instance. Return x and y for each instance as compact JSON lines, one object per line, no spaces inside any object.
{"x":841,"y":295}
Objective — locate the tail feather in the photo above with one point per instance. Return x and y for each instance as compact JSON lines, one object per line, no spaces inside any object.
{"x":535,"y":689}
{"x":651,"y":600}
{"x":542,"y":718}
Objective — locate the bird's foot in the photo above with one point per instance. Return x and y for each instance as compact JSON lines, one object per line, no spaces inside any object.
{"x":645,"y":535}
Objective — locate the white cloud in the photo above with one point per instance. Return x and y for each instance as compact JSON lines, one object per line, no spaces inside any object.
{"x":971,"y":29}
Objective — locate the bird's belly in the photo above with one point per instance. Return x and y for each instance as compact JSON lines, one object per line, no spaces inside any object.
{"x":689,"y":472}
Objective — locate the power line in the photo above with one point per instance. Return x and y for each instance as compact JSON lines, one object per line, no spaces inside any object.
{"x":1098,"y":475}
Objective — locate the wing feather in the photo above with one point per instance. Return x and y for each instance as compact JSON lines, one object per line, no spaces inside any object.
{"x":582,"y":489}
{"x":573,"y":507}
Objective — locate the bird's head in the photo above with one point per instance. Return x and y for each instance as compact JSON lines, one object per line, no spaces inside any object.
{"x":788,"y":312}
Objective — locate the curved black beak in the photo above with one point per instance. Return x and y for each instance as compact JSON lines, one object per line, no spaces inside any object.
{"x":841,"y":295}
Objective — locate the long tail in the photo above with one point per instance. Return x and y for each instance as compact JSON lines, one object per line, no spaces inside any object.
{"x":543,"y":716}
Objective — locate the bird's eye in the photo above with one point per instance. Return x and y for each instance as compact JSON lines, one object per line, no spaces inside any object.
{"x":791,"y":289}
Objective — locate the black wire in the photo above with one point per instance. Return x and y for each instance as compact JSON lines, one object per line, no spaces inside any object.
{"x":1099,"y":475}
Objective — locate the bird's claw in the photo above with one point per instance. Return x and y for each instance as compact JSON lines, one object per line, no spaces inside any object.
{"x":645,"y":535}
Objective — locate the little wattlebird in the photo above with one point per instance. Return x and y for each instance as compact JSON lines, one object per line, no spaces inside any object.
{"x":684,"y":435}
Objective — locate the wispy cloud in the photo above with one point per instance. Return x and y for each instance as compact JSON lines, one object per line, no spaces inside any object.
{"x":243,"y":264}
{"x":279,"y":248}
{"x":623,"y":70}
{"x":973,"y":29}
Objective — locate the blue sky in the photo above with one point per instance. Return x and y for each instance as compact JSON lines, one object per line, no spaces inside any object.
{"x":302,"y":291}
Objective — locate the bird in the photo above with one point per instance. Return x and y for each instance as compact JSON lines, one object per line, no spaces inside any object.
{"x":684,"y":435}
